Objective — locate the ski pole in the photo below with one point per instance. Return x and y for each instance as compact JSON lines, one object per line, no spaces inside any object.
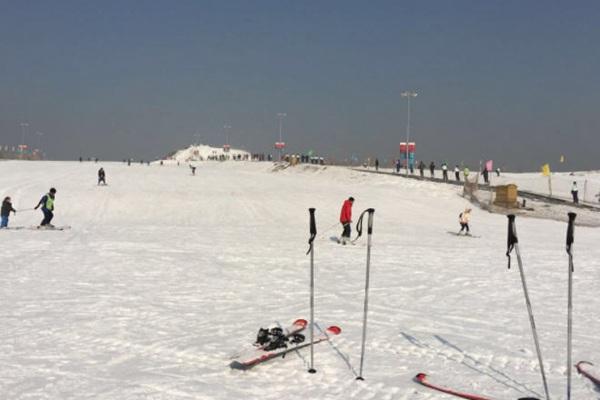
{"x":311,"y":250}
{"x":513,"y":243}
{"x":570,"y":232}
{"x":371,"y":212}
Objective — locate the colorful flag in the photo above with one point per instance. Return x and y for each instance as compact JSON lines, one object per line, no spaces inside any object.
{"x":546,"y":169}
{"x":489,"y":165}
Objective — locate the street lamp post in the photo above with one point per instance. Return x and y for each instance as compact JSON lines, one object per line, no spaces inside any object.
{"x":23,"y":126}
{"x":408,"y":94}
{"x":281,"y":116}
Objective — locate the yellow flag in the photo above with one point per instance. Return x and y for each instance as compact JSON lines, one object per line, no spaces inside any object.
{"x":546,"y":169}
{"x":562,"y":159}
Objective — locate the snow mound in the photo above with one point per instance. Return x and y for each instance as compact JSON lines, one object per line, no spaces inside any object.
{"x":203,"y":152}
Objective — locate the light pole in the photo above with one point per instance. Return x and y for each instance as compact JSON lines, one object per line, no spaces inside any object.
{"x":281,"y":116}
{"x":408,"y":94}
{"x":226,"y":127}
{"x":23,"y":126}
{"x":39,"y":144}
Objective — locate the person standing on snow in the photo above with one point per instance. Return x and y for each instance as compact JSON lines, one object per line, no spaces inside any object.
{"x":47,"y":203}
{"x":346,"y":219}
{"x":421,"y":168}
{"x":5,"y":212}
{"x":464,"y":219}
{"x":432,"y":169}
{"x":445,"y":171}
{"x":457,"y":173}
{"x":377,"y":164}
{"x":101,"y":176}
{"x":575,"y":193}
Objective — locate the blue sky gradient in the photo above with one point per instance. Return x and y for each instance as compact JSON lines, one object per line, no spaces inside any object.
{"x":515,"y":81}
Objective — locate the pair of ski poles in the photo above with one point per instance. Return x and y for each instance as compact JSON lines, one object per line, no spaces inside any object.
{"x":313,"y":234}
{"x":513,"y":243}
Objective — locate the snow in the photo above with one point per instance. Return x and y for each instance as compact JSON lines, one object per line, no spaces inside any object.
{"x":164,"y":274}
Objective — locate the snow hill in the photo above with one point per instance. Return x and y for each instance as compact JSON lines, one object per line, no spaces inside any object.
{"x":165,"y":274}
{"x":203,"y":152}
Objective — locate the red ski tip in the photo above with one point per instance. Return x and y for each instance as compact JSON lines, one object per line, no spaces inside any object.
{"x":334,"y":330}
{"x":301,"y":322}
{"x":420,"y":377}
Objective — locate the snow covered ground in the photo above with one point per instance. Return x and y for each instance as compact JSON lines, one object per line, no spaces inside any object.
{"x":164,"y":274}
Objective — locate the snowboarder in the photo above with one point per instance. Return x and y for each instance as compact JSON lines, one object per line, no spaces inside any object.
{"x":432,"y":169}
{"x":101,"y":176}
{"x":5,"y":212}
{"x":346,"y":219}
{"x":464,"y":218}
{"x":575,"y":193}
{"x":445,"y":171}
{"x":47,"y":203}
{"x":457,"y":173}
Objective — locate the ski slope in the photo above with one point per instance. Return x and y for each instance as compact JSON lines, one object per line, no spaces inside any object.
{"x":164,"y":274}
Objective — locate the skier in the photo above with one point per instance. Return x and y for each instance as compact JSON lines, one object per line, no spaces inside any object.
{"x":398,"y":164}
{"x":5,"y":212}
{"x":47,"y":203}
{"x":463,"y":219}
{"x":485,"y":175}
{"x":498,"y":171}
{"x":101,"y":176}
{"x":346,"y":219}
{"x":445,"y":171}
{"x":457,"y":173}
{"x":575,"y":193}
{"x":377,"y":164}
{"x":421,"y":168}
{"x":466,"y":172}
{"x":193,"y":168}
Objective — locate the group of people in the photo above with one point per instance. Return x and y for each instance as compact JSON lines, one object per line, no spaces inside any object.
{"x":46,"y":203}
{"x":346,"y":220}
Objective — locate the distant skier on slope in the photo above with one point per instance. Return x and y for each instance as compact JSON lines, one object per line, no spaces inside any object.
{"x":463,"y":219}
{"x":101,"y":176}
{"x":47,"y":203}
{"x":5,"y":212}
{"x":346,"y":220}
{"x":193,"y":168}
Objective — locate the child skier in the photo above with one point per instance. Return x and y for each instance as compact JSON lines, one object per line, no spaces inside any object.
{"x":5,"y":212}
{"x":47,"y":203}
{"x":464,"y":219}
{"x":101,"y":176}
{"x":346,"y":220}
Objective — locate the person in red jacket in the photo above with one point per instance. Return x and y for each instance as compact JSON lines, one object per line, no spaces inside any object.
{"x":346,"y":219}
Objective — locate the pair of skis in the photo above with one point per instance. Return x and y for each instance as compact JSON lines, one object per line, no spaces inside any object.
{"x":423,"y":380}
{"x":259,"y":354}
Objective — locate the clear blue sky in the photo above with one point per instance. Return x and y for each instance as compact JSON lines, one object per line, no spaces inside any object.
{"x":515,"y":81}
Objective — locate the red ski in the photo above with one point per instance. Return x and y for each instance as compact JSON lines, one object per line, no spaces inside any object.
{"x":588,"y":375}
{"x":422,"y":379}
{"x":261,"y":356}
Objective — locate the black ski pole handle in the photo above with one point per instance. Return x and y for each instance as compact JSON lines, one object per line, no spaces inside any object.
{"x":313,"y":229}
{"x":512,"y":238}
{"x":571,"y":231}
{"x":371,"y":211}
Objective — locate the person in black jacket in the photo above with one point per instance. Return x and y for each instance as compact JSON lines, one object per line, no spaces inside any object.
{"x":47,"y":203}
{"x":101,"y":176}
{"x":5,"y":212}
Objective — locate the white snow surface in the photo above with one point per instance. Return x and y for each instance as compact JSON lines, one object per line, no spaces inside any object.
{"x":165,"y":274}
